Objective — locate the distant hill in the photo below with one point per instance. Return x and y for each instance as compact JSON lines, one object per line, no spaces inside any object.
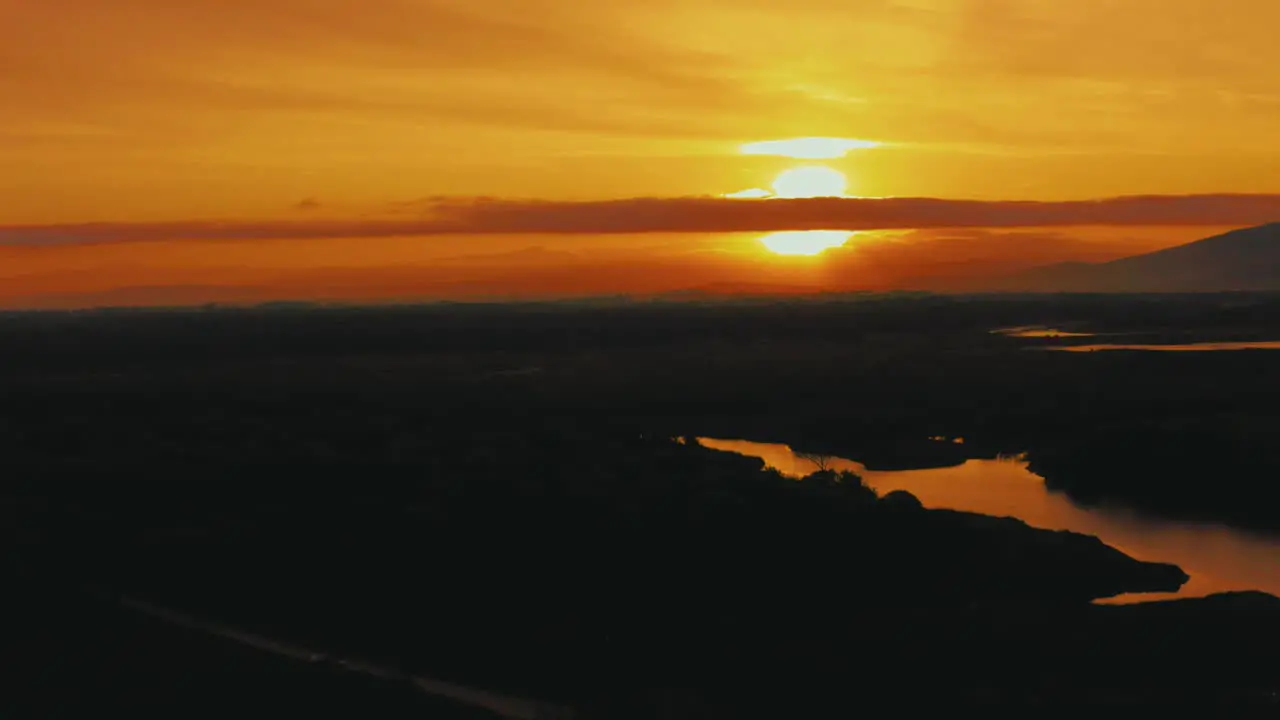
{"x":1246,"y":259}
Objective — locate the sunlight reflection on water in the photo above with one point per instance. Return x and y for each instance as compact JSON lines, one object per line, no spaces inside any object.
{"x":1218,"y":558}
{"x":1185,"y":347}
{"x":1037,"y":331}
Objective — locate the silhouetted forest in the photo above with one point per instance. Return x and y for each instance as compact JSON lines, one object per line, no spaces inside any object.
{"x":494,"y":494}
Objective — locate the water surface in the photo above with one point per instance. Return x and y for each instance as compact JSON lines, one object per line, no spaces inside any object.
{"x":1039,"y":331}
{"x":1218,"y":558}
{"x":1185,"y":347}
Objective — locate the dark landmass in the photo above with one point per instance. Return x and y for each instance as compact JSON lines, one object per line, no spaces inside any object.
{"x":490,"y":495}
{"x":870,"y":378}
{"x":67,"y":654}
{"x":1241,"y":260}
{"x":668,"y":567}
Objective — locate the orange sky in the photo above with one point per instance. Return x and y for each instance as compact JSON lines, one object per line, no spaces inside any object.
{"x":349,"y":111}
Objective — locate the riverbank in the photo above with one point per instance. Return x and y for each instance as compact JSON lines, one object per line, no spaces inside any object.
{"x":1218,"y":557}
{"x":1221,"y":470}
{"x":664,"y":566}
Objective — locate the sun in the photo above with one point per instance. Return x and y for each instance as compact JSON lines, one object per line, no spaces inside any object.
{"x":805,"y":242}
{"x":810,"y":181}
{"x":807,"y":181}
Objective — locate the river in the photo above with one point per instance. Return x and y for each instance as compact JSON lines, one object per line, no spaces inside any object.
{"x":1183,"y":347}
{"x":1042,"y":331}
{"x":1218,"y":558}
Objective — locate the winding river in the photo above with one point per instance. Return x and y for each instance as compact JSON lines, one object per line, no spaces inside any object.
{"x":1218,"y":558}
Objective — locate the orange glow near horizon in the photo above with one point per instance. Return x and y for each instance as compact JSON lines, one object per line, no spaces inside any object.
{"x":183,"y":271}
{"x":805,"y":242}
{"x":319,"y":111}
{"x":324,"y":99}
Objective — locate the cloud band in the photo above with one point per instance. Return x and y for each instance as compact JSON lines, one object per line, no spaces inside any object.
{"x":481,"y":216}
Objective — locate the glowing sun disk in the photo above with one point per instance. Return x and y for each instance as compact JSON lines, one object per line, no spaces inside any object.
{"x":810,"y":181}
{"x":804,"y":242}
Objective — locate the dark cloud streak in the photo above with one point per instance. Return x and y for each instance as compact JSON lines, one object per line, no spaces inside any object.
{"x":489,"y":216}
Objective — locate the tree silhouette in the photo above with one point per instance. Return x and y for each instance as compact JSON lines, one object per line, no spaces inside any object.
{"x":821,"y":462}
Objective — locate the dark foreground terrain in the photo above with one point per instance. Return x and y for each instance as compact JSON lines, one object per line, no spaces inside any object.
{"x":492,"y":496}
{"x":67,"y":654}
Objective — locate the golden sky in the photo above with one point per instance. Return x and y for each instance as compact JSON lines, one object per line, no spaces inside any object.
{"x":145,"y":111}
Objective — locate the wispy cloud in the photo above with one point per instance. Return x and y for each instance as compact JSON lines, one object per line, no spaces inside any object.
{"x":491,"y":216}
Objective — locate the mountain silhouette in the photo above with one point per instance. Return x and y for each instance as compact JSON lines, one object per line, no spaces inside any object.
{"x":1245,"y":259}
